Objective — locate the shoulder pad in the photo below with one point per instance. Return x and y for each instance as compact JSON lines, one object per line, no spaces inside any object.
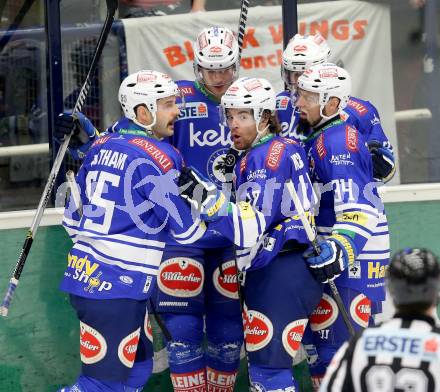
{"x":359,"y":107}
{"x":101,"y":140}
{"x":289,"y":141}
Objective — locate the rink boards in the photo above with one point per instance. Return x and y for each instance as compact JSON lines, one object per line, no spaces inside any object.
{"x":39,"y":339}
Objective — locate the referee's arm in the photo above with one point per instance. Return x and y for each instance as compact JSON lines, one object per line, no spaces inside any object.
{"x":338,"y":377}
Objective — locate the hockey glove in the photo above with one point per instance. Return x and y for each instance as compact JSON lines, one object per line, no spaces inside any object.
{"x":83,"y":132}
{"x":202,"y":194}
{"x":227,"y":164}
{"x":336,"y":254}
{"x":383,"y":161}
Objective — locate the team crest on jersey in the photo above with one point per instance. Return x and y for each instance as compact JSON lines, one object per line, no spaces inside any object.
{"x":148,"y":329}
{"x":214,"y":167}
{"x":320,"y":147}
{"x":181,"y":277}
{"x":226,"y":282}
{"x":273,"y":158}
{"x":93,"y":346}
{"x":351,"y":138}
{"x":360,"y":310}
{"x":258,"y":330}
{"x":355,"y":270}
{"x":325,"y":313}
{"x":128,"y":347}
{"x":358,"y":107}
{"x":194,"y":110}
{"x":282,"y":103}
{"x":292,"y":336}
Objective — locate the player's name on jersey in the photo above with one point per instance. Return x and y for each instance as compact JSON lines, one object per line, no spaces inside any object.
{"x":110,"y":158}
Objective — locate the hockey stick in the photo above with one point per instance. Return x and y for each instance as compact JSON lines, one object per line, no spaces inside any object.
{"x":16,"y":22}
{"x":74,"y":191}
{"x":242,"y":26}
{"x":311,"y":235}
{"x":13,"y":282}
{"x":243,"y":314}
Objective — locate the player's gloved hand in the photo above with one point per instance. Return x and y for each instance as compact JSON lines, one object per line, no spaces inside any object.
{"x":336,"y":254}
{"x":83,"y":132}
{"x":227,"y":164}
{"x":383,"y":161}
{"x":202,"y":194}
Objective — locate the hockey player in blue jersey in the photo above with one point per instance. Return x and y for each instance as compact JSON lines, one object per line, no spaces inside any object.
{"x":303,"y":52}
{"x":127,"y":211}
{"x":213,"y":302}
{"x":203,"y":141}
{"x":279,"y":292}
{"x":351,"y":222}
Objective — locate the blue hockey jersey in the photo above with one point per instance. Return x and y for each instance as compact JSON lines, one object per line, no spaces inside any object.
{"x":260,"y":179}
{"x":198,"y":134}
{"x":349,"y":204}
{"x":130,"y":208}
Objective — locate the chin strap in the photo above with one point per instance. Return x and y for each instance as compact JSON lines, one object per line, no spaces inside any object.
{"x":325,"y":118}
{"x":148,"y":128}
{"x":260,"y":134}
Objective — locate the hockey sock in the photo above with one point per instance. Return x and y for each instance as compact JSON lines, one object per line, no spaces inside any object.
{"x":185,"y":352}
{"x":270,"y":379}
{"x":219,"y":381}
{"x":139,"y":375}
{"x":90,"y":384}
{"x":225,"y":338}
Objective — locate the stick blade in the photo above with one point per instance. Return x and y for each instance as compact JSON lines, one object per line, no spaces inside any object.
{"x":4,"y":311}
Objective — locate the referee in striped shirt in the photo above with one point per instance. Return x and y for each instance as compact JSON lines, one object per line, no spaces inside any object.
{"x":402,"y":354}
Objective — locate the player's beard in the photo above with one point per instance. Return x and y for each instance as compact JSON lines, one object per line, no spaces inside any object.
{"x":304,"y":126}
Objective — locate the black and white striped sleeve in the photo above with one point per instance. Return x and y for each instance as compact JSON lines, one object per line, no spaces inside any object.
{"x":338,"y":377}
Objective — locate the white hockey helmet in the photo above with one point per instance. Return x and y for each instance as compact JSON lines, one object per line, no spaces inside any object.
{"x":145,"y":88}
{"x":249,"y":93}
{"x":328,"y":80}
{"x":215,"y":48}
{"x":302,"y":52}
